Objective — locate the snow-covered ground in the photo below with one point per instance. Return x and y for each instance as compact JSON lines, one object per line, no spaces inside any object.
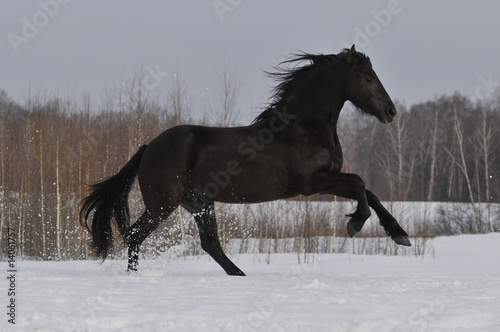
{"x":457,"y":290}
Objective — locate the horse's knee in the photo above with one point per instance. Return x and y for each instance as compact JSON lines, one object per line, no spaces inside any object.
{"x":357,"y":182}
{"x":144,"y":226}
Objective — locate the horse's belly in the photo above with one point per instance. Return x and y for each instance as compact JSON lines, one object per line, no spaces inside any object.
{"x":237,"y":181}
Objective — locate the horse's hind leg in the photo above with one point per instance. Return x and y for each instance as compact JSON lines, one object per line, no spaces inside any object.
{"x":203,"y":212}
{"x":140,"y":230}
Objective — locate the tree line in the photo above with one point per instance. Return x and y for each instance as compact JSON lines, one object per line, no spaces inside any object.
{"x":445,"y":149}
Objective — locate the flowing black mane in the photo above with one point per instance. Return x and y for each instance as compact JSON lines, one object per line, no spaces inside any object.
{"x":291,"y":77}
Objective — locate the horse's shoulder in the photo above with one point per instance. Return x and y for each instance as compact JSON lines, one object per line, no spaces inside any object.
{"x":315,"y":127}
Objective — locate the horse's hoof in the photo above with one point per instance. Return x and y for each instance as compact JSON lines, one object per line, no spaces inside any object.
{"x":351,"y":229}
{"x":132,"y":268}
{"x":402,"y":240}
{"x":237,"y":273}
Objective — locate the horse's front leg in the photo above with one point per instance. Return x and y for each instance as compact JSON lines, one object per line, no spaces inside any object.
{"x":351,"y":186}
{"x":348,"y":186}
{"x":390,"y":224}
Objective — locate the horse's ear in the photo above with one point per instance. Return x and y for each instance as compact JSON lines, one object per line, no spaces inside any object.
{"x":352,"y":55}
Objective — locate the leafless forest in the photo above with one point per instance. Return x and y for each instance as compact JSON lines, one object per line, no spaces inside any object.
{"x":442,"y":150}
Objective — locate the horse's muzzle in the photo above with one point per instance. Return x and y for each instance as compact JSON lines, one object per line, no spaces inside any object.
{"x":390,"y":113}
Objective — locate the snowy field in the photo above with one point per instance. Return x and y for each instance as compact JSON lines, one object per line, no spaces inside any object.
{"x":457,"y":290}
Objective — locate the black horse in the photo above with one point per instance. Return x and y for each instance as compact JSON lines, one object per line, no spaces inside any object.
{"x":292,"y":148}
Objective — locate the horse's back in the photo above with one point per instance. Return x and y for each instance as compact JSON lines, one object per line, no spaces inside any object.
{"x":220,"y":163}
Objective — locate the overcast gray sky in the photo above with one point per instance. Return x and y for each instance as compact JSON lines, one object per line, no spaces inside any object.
{"x":419,"y":49}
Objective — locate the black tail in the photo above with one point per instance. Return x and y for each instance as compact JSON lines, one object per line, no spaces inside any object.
{"x":109,"y":199}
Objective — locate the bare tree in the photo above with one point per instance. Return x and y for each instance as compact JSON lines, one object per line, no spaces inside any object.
{"x":433,"y":153}
{"x":396,"y":160}
{"x":461,"y":161}
{"x":58,"y":196}
{"x":221,"y":107}
{"x":485,"y":146}
{"x":42,"y":194}
{"x":178,"y":101}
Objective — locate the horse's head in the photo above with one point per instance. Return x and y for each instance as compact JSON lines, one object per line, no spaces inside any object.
{"x":364,"y":89}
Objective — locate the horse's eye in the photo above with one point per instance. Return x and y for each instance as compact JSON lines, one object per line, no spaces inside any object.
{"x":368,"y":79}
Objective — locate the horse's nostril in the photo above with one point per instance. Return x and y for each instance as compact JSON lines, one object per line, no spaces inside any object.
{"x":391,"y":111}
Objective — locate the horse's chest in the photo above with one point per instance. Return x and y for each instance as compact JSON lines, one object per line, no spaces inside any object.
{"x":330,"y":159}
{"x":317,"y":148}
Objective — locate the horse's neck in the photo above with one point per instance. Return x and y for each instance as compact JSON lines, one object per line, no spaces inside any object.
{"x":321,"y":104}
{"x":335,"y":114}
